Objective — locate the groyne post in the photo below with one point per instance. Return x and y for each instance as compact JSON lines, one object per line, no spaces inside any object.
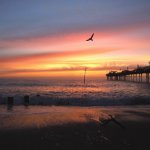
{"x":10,"y":100}
{"x":26,"y":100}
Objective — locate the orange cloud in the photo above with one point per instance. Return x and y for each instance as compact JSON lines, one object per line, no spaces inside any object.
{"x":70,"y":52}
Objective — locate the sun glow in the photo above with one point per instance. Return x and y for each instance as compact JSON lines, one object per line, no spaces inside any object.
{"x":68,"y":55}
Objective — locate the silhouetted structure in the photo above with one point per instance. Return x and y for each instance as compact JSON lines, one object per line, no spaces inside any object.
{"x":136,"y":75}
{"x":10,"y":100}
{"x":85,"y":74}
{"x":26,"y":100}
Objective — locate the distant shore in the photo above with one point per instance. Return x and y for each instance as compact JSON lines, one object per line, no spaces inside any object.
{"x":56,"y":127}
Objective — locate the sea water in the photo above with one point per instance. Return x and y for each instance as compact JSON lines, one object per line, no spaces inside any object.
{"x":72,"y":91}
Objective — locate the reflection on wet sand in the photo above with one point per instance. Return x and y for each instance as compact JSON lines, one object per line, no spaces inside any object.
{"x":36,"y":116}
{"x":25,"y":117}
{"x":9,"y":108}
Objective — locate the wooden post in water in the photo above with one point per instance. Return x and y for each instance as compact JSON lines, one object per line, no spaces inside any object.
{"x":10,"y":100}
{"x":26,"y":100}
{"x":84,"y":74}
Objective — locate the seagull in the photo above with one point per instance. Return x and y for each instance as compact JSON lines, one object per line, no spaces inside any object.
{"x":91,"y":38}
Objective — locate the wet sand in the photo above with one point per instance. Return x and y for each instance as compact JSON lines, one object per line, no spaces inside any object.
{"x":45,"y":128}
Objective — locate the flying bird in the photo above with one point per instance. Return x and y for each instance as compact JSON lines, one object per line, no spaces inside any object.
{"x":91,"y":38}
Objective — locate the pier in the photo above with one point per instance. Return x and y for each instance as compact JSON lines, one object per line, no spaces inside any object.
{"x":140,"y":74}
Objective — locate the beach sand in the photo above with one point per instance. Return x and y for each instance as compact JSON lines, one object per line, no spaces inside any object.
{"x":54,"y":127}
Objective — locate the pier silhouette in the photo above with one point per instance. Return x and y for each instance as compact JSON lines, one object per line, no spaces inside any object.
{"x":140,"y":74}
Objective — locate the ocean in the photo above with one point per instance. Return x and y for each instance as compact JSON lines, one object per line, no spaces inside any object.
{"x":72,"y":91}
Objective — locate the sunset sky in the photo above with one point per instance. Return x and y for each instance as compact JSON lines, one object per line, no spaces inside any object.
{"x":48,"y":37}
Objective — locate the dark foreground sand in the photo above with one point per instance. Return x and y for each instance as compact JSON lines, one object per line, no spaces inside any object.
{"x":53,"y":130}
